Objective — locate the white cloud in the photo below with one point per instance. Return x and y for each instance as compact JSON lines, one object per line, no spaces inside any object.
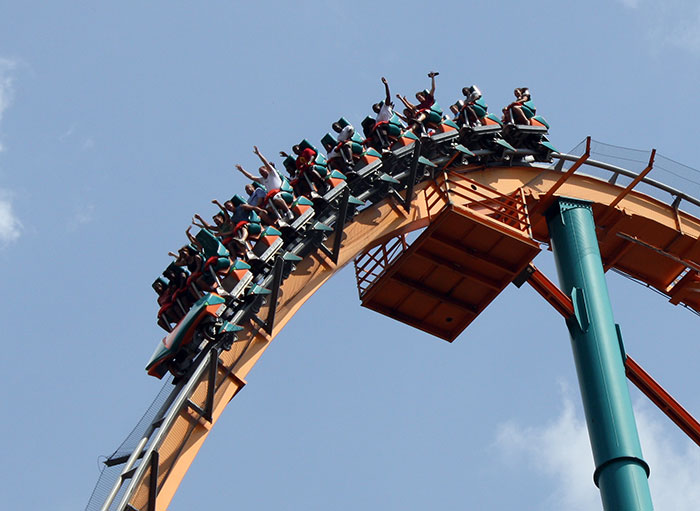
{"x":6,"y":86}
{"x":560,"y":451}
{"x":10,"y":225}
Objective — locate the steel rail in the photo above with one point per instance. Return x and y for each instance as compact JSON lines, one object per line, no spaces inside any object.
{"x":628,"y":173}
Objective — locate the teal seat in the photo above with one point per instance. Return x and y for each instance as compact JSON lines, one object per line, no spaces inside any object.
{"x":290,"y":164}
{"x":480,"y":108}
{"x":529,"y":109}
{"x":211,"y":245}
{"x":329,"y":142}
{"x":305,"y":144}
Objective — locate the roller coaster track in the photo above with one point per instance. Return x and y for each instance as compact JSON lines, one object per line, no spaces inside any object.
{"x":649,"y":239}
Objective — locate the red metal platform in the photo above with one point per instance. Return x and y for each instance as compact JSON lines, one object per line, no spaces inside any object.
{"x":443,"y":280}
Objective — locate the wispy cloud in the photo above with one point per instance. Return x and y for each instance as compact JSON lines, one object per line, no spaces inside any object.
{"x":669,"y":23}
{"x":10,"y":226}
{"x":6,"y":87}
{"x":560,"y":450}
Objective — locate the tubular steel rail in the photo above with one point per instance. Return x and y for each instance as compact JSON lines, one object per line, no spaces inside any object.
{"x":140,"y":472}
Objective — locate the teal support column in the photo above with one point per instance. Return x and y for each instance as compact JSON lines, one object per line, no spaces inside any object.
{"x":621,"y":473}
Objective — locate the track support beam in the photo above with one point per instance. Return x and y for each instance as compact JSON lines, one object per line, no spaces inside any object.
{"x":621,"y":473}
{"x":338,"y":228}
{"x":153,"y":481}
{"x":277,"y":274}
{"x":415,"y":163}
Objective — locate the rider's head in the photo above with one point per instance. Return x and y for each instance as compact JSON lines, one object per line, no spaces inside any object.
{"x":336,"y":127}
{"x":296,"y":149}
{"x":376,"y":107}
{"x":219,"y":219}
{"x":159,"y":286}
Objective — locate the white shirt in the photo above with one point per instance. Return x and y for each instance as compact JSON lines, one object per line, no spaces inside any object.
{"x":273,"y":181}
{"x":386,"y":112}
{"x":346,"y":133}
{"x":474,"y":94}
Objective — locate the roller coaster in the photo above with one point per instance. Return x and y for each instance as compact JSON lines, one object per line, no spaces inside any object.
{"x":438,"y":222}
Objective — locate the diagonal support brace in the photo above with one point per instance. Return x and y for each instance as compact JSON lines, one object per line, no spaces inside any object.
{"x":334,"y":253}
{"x":415,"y":163}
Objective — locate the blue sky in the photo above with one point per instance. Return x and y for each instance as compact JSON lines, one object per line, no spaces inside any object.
{"x":119,"y":121}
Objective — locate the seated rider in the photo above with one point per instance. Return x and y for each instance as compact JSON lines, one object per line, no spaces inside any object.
{"x":256,"y":196}
{"x":384,"y":111}
{"x":272,"y":181}
{"x":165,"y":291}
{"x":471,"y":112}
{"x":178,"y":292}
{"x":344,"y":147}
{"x":304,"y":163}
{"x":238,"y":218}
{"x":188,"y":257}
{"x":515,"y":112}
{"x":419,"y":113}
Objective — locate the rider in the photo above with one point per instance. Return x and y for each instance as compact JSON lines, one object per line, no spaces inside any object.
{"x":272,"y":181}
{"x":470,"y":112}
{"x":384,"y":111}
{"x":304,"y":164}
{"x":344,"y":147}
{"x":417,"y":114}
{"x":514,"y":112}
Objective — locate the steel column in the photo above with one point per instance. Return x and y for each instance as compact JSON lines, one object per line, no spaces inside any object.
{"x":621,"y":473}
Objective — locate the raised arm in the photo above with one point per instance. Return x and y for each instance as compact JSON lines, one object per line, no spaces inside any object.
{"x":406,"y":102}
{"x":222,"y":208}
{"x":387,"y":101}
{"x":193,"y":240}
{"x":432,"y":76}
{"x":267,"y":164}
{"x":202,"y":223}
{"x":247,"y":174}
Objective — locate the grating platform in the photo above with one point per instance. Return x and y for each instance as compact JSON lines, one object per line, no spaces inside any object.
{"x":450,"y":273}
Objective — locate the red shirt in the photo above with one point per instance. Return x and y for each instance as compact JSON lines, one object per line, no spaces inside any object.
{"x":306,"y":157}
{"x":426,"y":103}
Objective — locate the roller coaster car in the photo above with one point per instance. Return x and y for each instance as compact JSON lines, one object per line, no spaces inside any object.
{"x":320,"y":160}
{"x":487,"y":122}
{"x":303,"y":210}
{"x":233,"y":276}
{"x":361,"y":156}
{"x":179,"y":297}
{"x":269,"y":243}
{"x":437,"y":123}
{"x":530,"y":139}
{"x":385,"y":137}
{"x":202,"y":323}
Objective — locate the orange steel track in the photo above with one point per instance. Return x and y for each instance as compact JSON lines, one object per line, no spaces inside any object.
{"x":641,"y":236}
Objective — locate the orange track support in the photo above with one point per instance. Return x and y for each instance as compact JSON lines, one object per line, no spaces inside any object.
{"x":641,"y":379}
{"x":656,"y":393}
